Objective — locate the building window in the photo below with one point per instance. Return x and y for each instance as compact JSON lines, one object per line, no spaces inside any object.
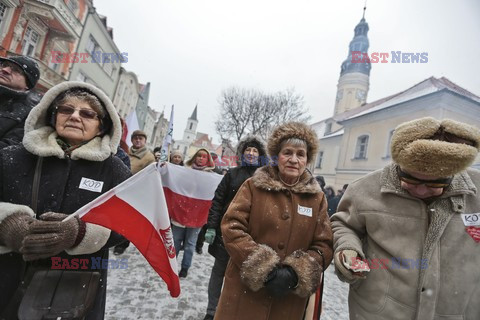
{"x":92,"y":45}
{"x":3,"y":11}
{"x":328,"y":128}
{"x":387,"y":154}
{"x":54,"y":65}
{"x":319,"y":160}
{"x":184,"y":150}
{"x":361,"y":149}
{"x":82,"y":77}
{"x":191,"y":124}
{"x":30,"y":41}
{"x":107,"y":65}
{"x":73,"y":5}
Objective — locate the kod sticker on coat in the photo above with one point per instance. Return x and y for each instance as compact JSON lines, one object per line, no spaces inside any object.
{"x":306,"y":211}
{"x":91,"y":185}
{"x":471,"y":219}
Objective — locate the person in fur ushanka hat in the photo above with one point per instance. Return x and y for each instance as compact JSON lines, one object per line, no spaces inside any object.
{"x":66,"y":161}
{"x":419,"y":218}
{"x":277,"y":233}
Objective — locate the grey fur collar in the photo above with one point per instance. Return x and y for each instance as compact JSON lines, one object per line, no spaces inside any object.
{"x":267,"y":178}
{"x":40,"y":137}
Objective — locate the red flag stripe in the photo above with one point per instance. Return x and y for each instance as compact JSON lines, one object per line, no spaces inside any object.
{"x":187,"y":211}
{"x":144,"y":236}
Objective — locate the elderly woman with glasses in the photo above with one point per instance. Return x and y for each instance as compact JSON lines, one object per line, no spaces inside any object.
{"x":65,"y":162}
{"x":407,"y":236}
{"x":277,"y":233}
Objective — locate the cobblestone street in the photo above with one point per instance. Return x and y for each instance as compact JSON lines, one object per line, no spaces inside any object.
{"x":139,"y":293}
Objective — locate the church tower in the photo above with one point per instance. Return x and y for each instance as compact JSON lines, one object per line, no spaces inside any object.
{"x":190,"y":132}
{"x":353,"y":84}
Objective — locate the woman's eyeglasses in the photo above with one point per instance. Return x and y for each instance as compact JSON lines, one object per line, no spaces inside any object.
{"x":84,"y":113}
{"x":439,"y":183}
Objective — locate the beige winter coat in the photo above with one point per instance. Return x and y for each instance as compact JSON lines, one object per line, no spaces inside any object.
{"x":380,"y":220}
{"x":263,"y":227}
{"x":139,"y":159}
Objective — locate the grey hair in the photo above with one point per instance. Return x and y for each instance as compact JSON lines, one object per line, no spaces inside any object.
{"x":82,"y":95}
{"x":294,"y":142}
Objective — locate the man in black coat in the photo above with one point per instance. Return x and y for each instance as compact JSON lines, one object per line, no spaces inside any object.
{"x":18,"y":76}
{"x":251,"y":155}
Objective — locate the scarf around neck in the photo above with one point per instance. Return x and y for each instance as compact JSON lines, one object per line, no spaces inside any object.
{"x":197,"y":167}
{"x":138,"y":153}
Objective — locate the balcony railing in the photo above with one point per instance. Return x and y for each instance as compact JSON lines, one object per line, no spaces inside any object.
{"x":48,"y":77}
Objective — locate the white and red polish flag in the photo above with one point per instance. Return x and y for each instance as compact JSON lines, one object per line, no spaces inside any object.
{"x":189,"y":193}
{"x":137,"y":209}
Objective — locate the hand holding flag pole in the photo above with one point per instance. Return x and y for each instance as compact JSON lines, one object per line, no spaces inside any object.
{"x":137,"y":209}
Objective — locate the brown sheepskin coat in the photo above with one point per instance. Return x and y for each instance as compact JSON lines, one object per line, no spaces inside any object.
{"x":263,"y":228}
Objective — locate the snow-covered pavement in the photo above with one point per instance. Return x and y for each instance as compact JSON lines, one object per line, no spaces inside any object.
{"x":139,"y":293}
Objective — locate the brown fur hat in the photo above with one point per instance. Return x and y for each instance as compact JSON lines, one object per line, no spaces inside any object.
{"x":293,"y":130}
{"x":416,"y":147}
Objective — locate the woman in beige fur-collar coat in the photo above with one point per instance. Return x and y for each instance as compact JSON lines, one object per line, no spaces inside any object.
{"x":277,"y":233}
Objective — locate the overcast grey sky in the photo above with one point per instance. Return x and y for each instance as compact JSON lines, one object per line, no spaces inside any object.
{"x":190,"y":50}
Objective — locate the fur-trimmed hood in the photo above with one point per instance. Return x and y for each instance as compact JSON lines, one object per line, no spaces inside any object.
{"x":211,"y":164}
{"x":267,"y":178}
{"x":416,"y":148}
{"x":251,"y":141}
{"x":293,"y":130}
{"x":40,"y":137}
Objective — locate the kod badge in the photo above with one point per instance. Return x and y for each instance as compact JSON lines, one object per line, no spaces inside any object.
{"x":91,"y":185}
{"x":306,"y":211}
{"x":471,"y":219}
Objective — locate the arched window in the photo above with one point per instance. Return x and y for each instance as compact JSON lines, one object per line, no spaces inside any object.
{"x":191,"y":124}
{"x":361,"y":148}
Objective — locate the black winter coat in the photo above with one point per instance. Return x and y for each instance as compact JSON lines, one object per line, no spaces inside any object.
{"x":14,"y":109}
{"x":226,"y":191}
{"x":59,"y":192}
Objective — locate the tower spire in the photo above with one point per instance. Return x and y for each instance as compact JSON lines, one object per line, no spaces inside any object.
{"x":353,"y":84}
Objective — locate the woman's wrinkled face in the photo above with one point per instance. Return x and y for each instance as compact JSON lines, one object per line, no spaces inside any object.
{"x":176,"y":159}
{"x":74,"y":128}
{"x":291,"y":162}
{"x":201,"y":159}
{"x":251,"y":155}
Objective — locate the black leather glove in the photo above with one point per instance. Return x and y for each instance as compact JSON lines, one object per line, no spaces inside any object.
{"x":281,"y":281}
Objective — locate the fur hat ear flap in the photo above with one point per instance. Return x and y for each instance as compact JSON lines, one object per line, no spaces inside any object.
{"x":415,"y":148}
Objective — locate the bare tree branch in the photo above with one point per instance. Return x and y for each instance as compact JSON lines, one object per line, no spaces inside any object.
{"x":245,"y":111}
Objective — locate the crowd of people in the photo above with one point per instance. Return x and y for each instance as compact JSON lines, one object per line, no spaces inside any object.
{"x":405,"y":237}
